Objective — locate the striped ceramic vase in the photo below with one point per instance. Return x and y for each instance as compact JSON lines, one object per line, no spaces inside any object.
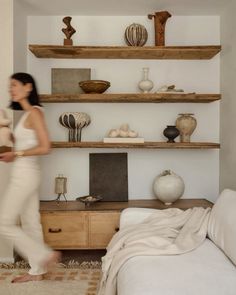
{"x":136,"y":35}
{"x":74,"y":121}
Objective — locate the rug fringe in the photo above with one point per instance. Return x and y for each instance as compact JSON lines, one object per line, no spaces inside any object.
{"x":82,"y":265}
{"x":71,"y":264}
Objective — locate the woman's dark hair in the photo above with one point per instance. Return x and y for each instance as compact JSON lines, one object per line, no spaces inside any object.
{"x":33,"y":97}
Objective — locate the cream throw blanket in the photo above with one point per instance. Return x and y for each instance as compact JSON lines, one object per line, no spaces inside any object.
{"x":166,"y":232}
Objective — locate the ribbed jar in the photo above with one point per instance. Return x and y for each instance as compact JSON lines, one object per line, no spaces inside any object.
{"x":136,"y":35}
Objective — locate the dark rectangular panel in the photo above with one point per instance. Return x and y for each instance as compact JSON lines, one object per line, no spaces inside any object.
{"x":108,"y":176}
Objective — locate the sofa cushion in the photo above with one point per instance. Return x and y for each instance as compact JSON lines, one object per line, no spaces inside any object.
{"x":222,"y":223}
{"x":203,"y":271}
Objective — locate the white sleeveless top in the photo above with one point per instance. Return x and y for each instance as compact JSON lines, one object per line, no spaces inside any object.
{"x":25,"y":139}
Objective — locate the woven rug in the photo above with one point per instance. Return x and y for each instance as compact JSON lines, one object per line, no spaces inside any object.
{"x":72,"y":279}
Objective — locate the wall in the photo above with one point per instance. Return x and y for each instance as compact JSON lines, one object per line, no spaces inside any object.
{"x":20,"y":38}
{"x":199,"y":168}
{"x":20,"y":44}
{"x":6,"y":61}
{"x":228,"y":103}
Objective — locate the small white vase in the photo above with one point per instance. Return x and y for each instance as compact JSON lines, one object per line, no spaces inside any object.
{"x":168,"y":187}
{"x":145,"y":85}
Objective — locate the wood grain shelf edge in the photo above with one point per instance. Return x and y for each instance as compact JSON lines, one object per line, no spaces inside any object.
{"x":145,"y":145}
{"x":125,"y":52}
{"x":130,"y":98}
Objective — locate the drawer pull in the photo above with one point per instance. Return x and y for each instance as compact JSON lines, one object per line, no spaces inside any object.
{"x":117,"y":229}
{"x":54,"y":230}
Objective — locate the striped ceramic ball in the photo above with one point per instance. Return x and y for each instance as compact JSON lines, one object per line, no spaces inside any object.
{"x":136,"y":35}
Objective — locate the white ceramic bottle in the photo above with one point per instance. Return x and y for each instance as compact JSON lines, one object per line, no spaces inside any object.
{"x":145,"y":85}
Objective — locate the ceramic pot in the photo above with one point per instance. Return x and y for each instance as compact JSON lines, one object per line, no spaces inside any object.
{"x":171,"y":132}
{"x":136,"y":35}
{"x":168,"y":187}
{"x":186,"y":124}
{"x":145,"y":85}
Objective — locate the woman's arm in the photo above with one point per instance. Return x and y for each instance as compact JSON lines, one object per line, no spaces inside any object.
{"x":35,"y":121}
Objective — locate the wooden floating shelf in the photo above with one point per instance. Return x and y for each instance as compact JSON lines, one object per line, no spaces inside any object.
{"x":145,"y":145}
{"x":125,"y":52}
{"x":131,"y":97}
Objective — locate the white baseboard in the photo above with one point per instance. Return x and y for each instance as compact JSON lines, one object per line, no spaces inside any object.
{"x":7,"y":259}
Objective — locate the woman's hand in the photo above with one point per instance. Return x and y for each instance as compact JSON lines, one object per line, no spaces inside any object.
{"x":7,"y":157}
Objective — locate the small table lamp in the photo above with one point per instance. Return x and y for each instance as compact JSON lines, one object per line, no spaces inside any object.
{"x":60,"y":186}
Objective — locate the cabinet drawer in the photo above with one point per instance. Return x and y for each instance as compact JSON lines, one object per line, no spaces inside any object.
{"x":65,"y":230}
{"x":102,"y":226}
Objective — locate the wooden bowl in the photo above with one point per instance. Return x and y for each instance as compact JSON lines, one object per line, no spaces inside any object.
{"x":94,"y":86}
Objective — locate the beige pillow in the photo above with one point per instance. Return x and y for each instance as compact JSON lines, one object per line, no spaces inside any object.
{"x":222,"y":223}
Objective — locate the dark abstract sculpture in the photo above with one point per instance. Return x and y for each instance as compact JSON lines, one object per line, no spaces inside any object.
{"x":160,"y":19}
{"x":68,"y":31}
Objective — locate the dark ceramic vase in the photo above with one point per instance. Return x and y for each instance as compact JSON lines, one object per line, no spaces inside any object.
{"x":171,"y":132}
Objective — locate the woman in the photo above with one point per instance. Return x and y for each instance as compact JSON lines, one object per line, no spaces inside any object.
{"x":21,"y":198}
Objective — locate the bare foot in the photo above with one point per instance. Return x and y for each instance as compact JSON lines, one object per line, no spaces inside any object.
{"x":54,"y":257}
{"x":27,"y":278}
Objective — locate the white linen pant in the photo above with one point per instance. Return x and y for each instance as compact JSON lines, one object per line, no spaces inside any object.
{"x":21,"y":200}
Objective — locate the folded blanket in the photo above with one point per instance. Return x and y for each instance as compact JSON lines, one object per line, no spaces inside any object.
{"x":166,"y":232}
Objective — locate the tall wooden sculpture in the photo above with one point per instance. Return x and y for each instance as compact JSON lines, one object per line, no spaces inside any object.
{"x":160,"y":19}
{"x":68,"y":31}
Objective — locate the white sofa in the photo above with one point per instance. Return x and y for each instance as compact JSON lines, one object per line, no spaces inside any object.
{"x":208,"y":270}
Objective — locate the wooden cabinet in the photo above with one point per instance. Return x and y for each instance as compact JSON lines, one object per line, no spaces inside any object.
{"x":71,"y":225}
{"x":65,"y":230}
{"x":79,"y":230}
{"x":102,"y":226}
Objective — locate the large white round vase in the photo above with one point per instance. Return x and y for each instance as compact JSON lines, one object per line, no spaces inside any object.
{"x":168,"y":187}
